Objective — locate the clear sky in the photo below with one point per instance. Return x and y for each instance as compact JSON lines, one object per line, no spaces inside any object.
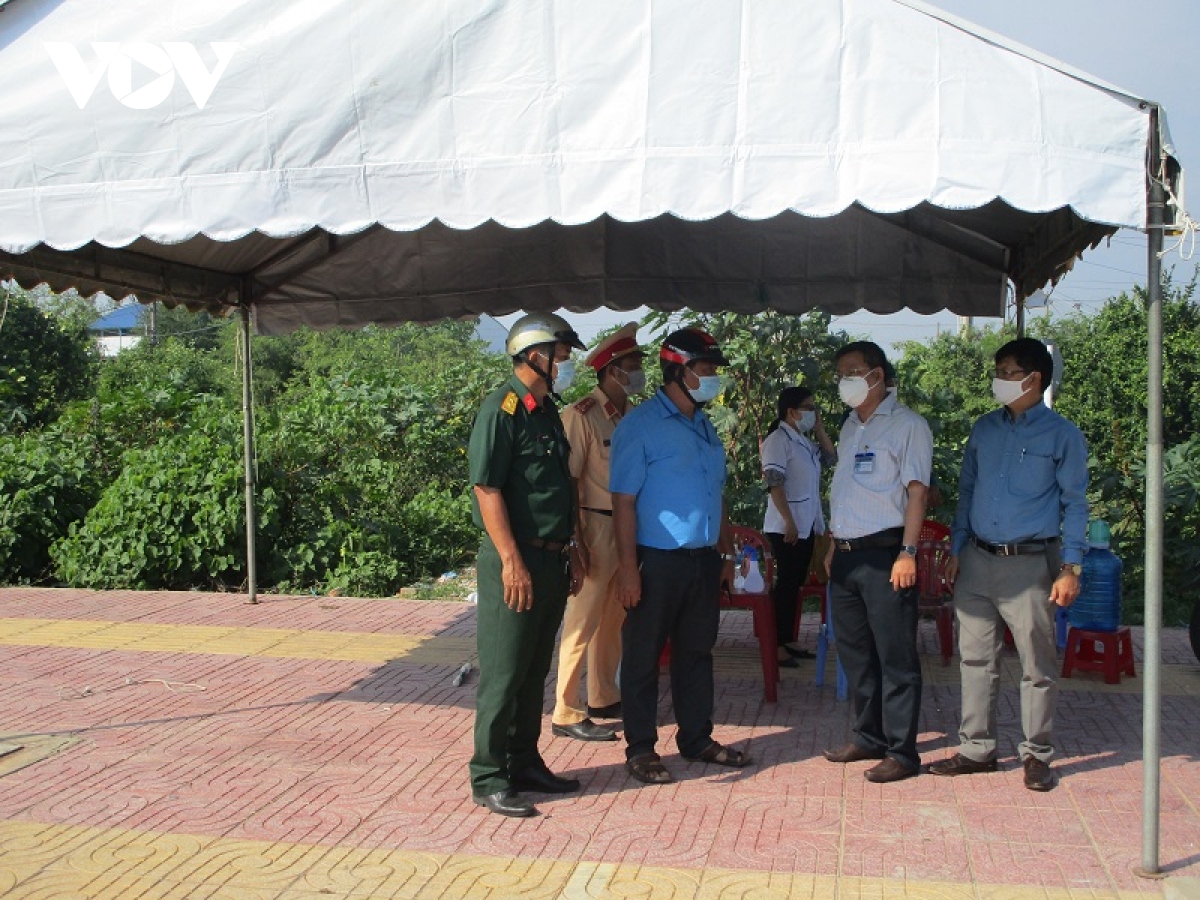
{"x":1147,"y":48}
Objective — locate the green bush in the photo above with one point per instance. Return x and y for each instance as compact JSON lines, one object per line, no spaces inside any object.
{"x":45,"y":362}
{"x":48,"y":479}
{"x":173,"y":519}
{"x":151,"y":391}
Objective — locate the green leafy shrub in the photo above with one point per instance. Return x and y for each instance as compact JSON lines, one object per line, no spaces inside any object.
{"x":151,"y":391}
{"x":45,"y":362}
{"x":174,"y":517}
{"x":48,"y":479}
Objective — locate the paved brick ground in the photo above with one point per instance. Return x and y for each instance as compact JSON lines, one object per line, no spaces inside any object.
{"x":193,"y":746}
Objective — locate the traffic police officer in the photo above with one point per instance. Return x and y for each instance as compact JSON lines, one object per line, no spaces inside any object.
{"x":592,"y":625}
{"x":524,"y":500}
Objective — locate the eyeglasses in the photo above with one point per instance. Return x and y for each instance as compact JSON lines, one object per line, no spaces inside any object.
{"x":1010,"y":374}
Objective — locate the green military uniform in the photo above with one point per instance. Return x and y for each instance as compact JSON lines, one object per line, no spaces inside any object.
{"x":520,"y":448}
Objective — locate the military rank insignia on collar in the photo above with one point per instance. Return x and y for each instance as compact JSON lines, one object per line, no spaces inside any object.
{"x":510,"y":403}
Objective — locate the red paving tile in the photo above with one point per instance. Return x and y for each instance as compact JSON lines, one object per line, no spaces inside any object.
{"x":361,"y":756}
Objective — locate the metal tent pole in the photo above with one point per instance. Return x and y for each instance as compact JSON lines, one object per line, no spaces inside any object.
{"x":1152,"y":687}
{"x":248,"y":452}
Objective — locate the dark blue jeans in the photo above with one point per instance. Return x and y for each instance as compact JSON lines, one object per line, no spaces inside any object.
{"x":680,"y":601}
{"x":876,"y":630}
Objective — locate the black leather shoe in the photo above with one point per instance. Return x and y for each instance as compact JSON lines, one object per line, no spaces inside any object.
{"x":507,"y":803}
{"x":612,"y":711}
{"x":796,"y":653}
{"x":540,"y":778}
{"x":1038,"y":776}
{"x":587,"y":730}
{"x":961,"y":765}
{"x":852,"y":753}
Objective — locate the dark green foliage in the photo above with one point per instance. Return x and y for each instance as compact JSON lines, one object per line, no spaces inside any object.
{"x":45,"y":362}
{"x":150,"y":392}
{"x":48,"y":479}
{"x":172,"y":519}
{"x":361,"y":462}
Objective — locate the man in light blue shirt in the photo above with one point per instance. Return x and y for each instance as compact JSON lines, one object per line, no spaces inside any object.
{"x":666,"y":475}
{"x":877,"y":506}
{"x":1017,"y":545}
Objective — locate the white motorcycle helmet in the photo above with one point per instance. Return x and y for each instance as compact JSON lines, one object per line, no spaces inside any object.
{"x":540,"y":328}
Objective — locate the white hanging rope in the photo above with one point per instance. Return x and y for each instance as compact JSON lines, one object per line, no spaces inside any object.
{"x":1185,"y":244}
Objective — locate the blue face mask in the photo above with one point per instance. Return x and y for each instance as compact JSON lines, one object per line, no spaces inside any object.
{"x":565,"y":376}
{"x":710,"y":386}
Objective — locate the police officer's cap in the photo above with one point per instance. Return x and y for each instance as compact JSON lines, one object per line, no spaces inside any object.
{"x":619,"y":344}
{"x":540,"y":328}
{"x":690,"y":345}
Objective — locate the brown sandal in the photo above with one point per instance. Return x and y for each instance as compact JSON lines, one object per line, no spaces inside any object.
{"x":648,"y":769}
{"x":720,"y":755}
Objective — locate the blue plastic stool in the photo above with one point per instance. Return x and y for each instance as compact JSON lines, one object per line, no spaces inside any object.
{"x":825,"y":637}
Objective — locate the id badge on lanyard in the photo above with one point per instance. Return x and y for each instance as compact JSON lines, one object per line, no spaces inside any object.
{"x":864,"y":463}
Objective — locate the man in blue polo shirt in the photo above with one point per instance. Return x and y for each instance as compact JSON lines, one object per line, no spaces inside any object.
{"x":674,"y":549}
{"x":1017,"y":545}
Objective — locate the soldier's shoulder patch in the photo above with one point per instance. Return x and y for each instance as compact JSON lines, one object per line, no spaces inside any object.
{"x":585,"y":404}
{"x":509,"y":404}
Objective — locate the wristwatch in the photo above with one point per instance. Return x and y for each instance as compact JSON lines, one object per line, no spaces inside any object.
{"x":1074,"y":568}
{"x":909,"y":549}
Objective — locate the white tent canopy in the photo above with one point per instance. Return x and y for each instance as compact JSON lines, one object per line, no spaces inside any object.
{"x":337,"y":164}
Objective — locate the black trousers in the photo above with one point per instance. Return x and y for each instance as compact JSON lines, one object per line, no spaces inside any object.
{"x":791,"y":571}
{"x":876,"y":630}
{"x":680,"y":601}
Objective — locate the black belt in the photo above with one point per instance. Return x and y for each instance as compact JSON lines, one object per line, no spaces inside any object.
{"x":603,"y":512}
{"x":1014,"y":549}
{"x":682,"y":551}
{"x":548,"y":546}
{"x":892,"y":537}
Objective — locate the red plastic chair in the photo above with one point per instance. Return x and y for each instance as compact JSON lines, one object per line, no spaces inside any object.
{"x":933,"y":594}
{"x":761,"y":605}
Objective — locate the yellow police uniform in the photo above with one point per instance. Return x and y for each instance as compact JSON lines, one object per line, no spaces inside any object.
{"x":592,"y":622}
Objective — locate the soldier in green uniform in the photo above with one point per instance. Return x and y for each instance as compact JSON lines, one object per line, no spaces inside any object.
{"x":524,"y":500}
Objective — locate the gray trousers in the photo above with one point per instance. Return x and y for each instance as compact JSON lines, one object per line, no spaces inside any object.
{"x":991,"y":592}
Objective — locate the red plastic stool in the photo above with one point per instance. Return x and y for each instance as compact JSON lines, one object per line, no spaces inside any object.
{"x":1110,"y":652}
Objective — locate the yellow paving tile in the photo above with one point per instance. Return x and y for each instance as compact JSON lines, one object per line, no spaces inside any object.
{"x":180,"y":638}
{"x":58,"y":862}
{"x":245,"y":642}
{"x":354,"y":872}
{"x":727,"y":884}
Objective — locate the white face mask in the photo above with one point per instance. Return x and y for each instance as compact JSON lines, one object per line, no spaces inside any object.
{"x":808,"y":418}
{"x":854,"y":390}
{"x":710,"y":386}
{"x":565,"y":376}
{"x":1008,"y":392}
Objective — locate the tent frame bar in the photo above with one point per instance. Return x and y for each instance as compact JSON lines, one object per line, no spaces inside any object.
{"x":1152,"y":660}
{"x":248,"y":452}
